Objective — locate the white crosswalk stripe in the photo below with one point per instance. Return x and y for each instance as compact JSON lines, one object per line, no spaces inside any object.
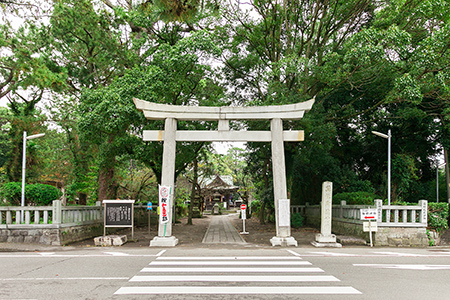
{"x":232,"y":276}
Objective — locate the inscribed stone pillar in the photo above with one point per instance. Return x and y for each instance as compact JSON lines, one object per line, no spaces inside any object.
{"x":282,"y":204}
{"x":165,"y":238}
{"x":325,"y":238}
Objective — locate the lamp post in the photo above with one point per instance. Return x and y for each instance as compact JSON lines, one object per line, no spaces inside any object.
{"x":388,"y":137}
{"x":24,"y":158}
{"x":437,"y":181}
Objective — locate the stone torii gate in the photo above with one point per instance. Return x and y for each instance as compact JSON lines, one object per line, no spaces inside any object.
{"x":170,"y":135}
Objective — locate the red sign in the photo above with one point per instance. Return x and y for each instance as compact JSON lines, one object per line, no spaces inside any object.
{"x":243,"y":206}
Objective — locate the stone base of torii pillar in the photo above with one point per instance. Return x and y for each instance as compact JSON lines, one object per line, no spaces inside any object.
{"x":169,"y":241}
{"x":283,"y":241}
{"x":325,"y":238}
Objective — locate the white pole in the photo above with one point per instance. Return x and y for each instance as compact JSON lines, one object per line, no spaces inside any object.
{"x":389,"y":167}
{"x":24,"y":155}
{"x":24,"y":158}
{"x":437,"y":184}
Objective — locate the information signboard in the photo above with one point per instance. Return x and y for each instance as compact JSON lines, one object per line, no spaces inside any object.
{"x":370,"y":227}
{"x":369,"y":214}
{"x":119,"y":213}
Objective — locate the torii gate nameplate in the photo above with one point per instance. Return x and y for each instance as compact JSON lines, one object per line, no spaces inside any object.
{"x":170,"y":135}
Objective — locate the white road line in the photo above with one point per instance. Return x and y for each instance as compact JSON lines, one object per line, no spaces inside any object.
{"x":62,"y":278}
{"x":71,"y":255}
{"x":234,"y":278}
{"x":230,"y":263}
{"x":47,"y":253}
{"x":334,"y":254}
{"x":293,"y":253}
{"x":405,"y":266}
{"x":401,"y":254}
{"x":161,"y":252}
{"x":236,"y":290}
{"x":176,"y":258}
{"x":229,"y":270}
{"x":117,"y":253}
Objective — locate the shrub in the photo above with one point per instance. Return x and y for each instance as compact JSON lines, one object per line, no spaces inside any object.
{"x":11,"y":192}
{"x":296,"y":220}
{"x":355,"y":198}
{"x":437,"y":216}
{"x":256,"y":206}
{"x":39,"y":194}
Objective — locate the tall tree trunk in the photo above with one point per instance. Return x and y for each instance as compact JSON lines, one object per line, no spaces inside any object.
{"x":193,"y":191}
{"x":107,"y":187}
{"x":447,"y":174}
{"x":262,"y":212}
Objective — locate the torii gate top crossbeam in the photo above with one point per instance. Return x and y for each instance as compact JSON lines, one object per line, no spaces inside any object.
{"x":157,"y":111}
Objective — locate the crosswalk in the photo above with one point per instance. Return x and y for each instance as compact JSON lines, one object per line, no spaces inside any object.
{"x":242,"y":275}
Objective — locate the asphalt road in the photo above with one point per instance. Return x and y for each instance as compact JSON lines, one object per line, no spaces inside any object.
{"x":231,"y":273}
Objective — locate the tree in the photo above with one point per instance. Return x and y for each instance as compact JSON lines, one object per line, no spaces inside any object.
{"x":110,"y":118}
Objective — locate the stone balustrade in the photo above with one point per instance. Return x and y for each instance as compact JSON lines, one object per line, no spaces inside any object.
{"x":56,"y":224}
{"x":398,"y":225}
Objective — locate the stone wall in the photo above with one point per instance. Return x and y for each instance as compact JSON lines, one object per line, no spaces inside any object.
{"x":63,"y":234}
{"x":49,"y":235}
{"x":385,"y":237}
{"x":401,"y":237}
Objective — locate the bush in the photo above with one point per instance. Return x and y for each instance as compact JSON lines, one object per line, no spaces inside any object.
{"x":41,"y":194}
{"x":355,"y":198}
{"x":12,"y":193}
{"x":255,"y":206}
{"x":296,"y":220}
{"x":437,"y":216}
{"x":38,"y":194}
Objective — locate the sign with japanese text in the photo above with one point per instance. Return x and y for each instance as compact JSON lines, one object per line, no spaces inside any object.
{"x":164,"y":200}
{"x":119,"y":213}
{"x":369,"y":214}
{"x":370,"y":226}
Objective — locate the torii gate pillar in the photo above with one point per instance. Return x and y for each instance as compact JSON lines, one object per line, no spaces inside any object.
{"x":277,"y":136}
{"x":282,"y":203}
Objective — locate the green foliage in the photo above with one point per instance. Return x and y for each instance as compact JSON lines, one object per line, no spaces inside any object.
{"x":11,"y":192}
{"x":355,"y":198}
{"x":438,"y":216}
{"x":256,"y":207}
{"x":297,"y":220}
{"x":37,"y":194}
{"x":41,"y":194}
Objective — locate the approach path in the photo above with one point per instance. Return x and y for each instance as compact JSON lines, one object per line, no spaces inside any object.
{"x":221,"y":231}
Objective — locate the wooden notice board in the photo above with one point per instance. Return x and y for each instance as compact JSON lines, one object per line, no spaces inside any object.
{"x":118,"y":213}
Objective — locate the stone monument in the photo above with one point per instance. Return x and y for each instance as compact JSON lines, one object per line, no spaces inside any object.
{"x":325,"y":238}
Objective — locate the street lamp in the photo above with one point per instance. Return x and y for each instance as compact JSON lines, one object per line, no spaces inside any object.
{"x":437,"y":181}
{"x":388,"y":137}
{"x":24,"y":158}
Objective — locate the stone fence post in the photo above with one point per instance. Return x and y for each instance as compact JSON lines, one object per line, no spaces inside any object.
{"x":341,"y":210}
{"x":57,"y":212}
{"x":424,"y":212}
{"x":379,"y":207}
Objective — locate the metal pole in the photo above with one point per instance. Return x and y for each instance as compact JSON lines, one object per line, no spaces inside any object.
{"x":389,"y":167}
{"x":24,"y":155}
{"x":437,"y":184}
